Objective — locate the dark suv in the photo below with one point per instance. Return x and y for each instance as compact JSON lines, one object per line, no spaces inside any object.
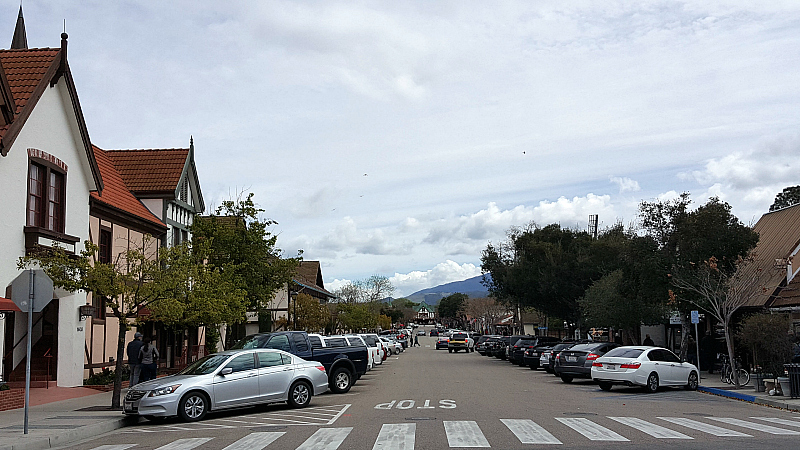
{"x":531,"y":356}
{"x":481,"y":344}
{"x":576,"y":361}
{"x":499,"y":347}
{"x":517,"y":350}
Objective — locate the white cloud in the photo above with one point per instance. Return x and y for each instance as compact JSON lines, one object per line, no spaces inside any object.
{"x":626,"y":184}
{"x":408,"y":283}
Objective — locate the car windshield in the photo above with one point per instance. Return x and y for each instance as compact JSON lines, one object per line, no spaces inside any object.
{"x":526,"y":342}
{"x":370,"y":340}
{"x":252,"y":341}
{"x":623,"y":352}
{"x":205,"y":365}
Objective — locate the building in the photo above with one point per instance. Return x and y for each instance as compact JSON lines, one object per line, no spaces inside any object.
{"x":424,"y":314}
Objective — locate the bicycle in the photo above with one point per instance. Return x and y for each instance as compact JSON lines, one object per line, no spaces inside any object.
{"x":726,"y":372}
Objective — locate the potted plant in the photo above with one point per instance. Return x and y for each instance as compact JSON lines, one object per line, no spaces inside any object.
{"x":767,"y":336}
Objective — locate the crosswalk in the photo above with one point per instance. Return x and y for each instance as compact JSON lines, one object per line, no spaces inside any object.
{"x":468,"y":433}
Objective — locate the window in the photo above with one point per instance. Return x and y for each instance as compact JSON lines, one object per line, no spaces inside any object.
{"x":300,"y":342}
{"x":336,"y":342}
{"x":269,"y":359}
{"x":99,"y":303}
{"x":315,"y":342}
{"x":242,"y":363}
{"x":280,"y":342}
{"x":355,"y":342}
{"x":46,"y":189}
{"x":104,"y":245}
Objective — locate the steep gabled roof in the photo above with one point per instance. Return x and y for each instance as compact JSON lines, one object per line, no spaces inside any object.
{"x":117,"y":195}
{"x":150,"y":171}
{"x":309,"y":276}
{"x":28,"y":73}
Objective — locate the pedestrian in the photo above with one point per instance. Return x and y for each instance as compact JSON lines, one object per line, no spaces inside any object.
{"x":647,"y":341}
{"x":617,"y":338}
{"x":149,"y":356}
{"x":134,"y":361}
{"x":416,"y":341}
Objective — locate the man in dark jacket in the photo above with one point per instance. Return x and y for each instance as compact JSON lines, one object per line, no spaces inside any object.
{"x":134,"y":363}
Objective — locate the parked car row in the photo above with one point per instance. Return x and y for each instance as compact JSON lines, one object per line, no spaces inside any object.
{"x":288,"y":366}
{"x":606,"y":363}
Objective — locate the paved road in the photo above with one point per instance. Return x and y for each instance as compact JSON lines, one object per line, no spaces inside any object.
{"x":428,"y":399}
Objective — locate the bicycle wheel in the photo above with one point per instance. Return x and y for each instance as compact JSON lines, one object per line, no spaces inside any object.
{"x":744,"y":377}
{"x":723,"y":372}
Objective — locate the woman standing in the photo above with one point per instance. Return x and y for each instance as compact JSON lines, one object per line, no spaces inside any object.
{"x":149,"y":357}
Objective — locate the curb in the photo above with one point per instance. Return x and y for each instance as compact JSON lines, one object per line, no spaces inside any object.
{"x":783,"y":404}
{"x":67,"y":436}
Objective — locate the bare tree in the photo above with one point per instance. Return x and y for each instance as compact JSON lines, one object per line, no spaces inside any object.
{"x":486,"y":309}
{"x":721,"y":294}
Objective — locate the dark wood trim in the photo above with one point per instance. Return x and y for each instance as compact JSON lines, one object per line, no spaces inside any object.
{"x":119,"y":216}
{"x":32,"y":235}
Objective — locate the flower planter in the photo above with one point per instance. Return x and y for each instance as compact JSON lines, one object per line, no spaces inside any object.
{"x":785,"y":387}
{"x":759,"y":379}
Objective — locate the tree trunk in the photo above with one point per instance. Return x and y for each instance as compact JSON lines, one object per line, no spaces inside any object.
{"x":115,"y":398}
{"x":685,"y":332}
{"x":729,"y":344}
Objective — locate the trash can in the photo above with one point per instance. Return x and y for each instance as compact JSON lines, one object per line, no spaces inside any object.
{"x":794,"y":379}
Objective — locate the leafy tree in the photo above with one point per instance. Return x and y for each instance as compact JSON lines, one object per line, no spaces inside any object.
{"x":357,"y":316}
{"x":385,"y":322}
{"x":789,"y":197}
{"x":236,"y":237}
{"x":453,"y":306}
{"x":768,"y":337}
{"x":310,"y":314}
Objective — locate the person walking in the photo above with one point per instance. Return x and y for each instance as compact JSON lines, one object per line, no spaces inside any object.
{"x":647,"y":341}
{"x":416,"y":340}
{"x":149,"y":356}
{"x":134,"y":361}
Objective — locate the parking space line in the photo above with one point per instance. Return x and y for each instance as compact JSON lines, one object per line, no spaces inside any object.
{"x":184,"y":444}
{"x":326,"y":439}
{"x":114,"y":447}
{"x":339,"y":414}
{"x":590,"y":429}
{"x":464,"y":433}
{"x":657,"y":431}
{"x":704,"y":427}
{"x":255,"y":441}
{"x":396,"y":436}
{"x":529,"y":432}
{"x":787,"y":422}
{"x":754,"y":426}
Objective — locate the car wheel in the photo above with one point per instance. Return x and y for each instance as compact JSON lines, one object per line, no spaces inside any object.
{"x":299,"y":395}
{"x":566,"y":378}
{"x":341,"y":380}
{"x":693,"y":382}
{"x":652,"y":383}
{"x":604,"y":385}
{"x":193,"y":406}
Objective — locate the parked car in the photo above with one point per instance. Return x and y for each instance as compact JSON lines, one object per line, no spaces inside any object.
{"x":533,"y":356}
{"x":517,"y":350}
{"x":650,"y":367}
{"x":512,"y":340}
{"x":460,"y":341}
{"x":558,"y":348}
{"x":576,"y":361}
{"x":500,"y":346}
{"x":393,"y":346}
{"x":482,"y":342}
{"x":442,"y":342}
{"x":434,"y":332}
{"x":374,"y":345}
{"x":229,"y":379}
{"x":344,"y":365}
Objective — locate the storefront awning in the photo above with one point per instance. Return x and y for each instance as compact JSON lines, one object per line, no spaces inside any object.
{"x":7,"y":305}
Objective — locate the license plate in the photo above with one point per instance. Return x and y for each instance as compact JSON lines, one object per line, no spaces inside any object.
{"x":572,"y":358}
{"x":129,"y":407}
{"x":611,"y":366}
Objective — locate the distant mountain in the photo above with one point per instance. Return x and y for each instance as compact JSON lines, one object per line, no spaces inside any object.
{"x":471,"y":287}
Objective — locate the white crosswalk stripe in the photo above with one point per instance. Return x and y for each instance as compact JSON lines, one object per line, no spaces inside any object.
{"x":529,"y":432}
{"x":396,"y":436}
{"x":754,"y":425}
{"x":790,"y":423}
{"x":590,"y":429}
{"x":255,"y":441}
{"x":326,"y":439}
{"x":114,"y":447}
{"x":703,"y":427}
{"x":464,"y":433}
{"x":184,"y":444}
{"x":657,"y":431}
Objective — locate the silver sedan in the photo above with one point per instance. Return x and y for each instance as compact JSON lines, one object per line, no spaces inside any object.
{"x":229,"y":379}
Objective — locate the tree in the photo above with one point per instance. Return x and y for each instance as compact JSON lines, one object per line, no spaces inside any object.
{"x":175,"y":285}
{"x":771,"y":348}
{"x":311,"y":315}
{"x":722,"y":293}
{"x":453,"y":306}
{"x":373,"y":289}
{"x":238,"y":238}
{"x":789,"y":197}
{"x":357,"y":316}
{"x":486,"y":309}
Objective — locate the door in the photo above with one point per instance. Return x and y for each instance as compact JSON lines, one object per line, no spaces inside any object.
{"x":663,"y":367}
{"x":679,"y":372}
{"x":275,"y":372}
{"x":239,"y":387}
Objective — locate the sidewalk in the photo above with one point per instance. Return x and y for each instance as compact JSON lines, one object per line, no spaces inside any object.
{"x":58,"y":416}
{"x":711,"y":384}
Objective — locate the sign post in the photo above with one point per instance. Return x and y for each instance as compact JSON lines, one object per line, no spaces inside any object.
{"x":695,"y":321}
{"x":34,"y":299}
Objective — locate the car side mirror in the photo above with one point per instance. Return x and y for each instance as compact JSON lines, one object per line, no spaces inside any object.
{"x":226,"y":371}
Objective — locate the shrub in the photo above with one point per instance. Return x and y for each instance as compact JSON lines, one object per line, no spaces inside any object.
{"x":768,"y":337}
{"x":106,"y":376}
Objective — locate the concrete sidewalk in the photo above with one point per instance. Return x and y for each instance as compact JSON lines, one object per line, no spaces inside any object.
{"x":711,"y":384}
{"x":57,"y":423}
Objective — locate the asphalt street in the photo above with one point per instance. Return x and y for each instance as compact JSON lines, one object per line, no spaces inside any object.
{"x":429,"y":399}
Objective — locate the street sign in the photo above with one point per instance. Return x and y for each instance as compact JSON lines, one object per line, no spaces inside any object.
{"x":42,"y":290}
{"x":695,"y":317}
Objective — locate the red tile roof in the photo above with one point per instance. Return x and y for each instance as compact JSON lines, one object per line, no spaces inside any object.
{"x":116,"y":193}
{"x":24,"y":69}
{"x":152,"y":170}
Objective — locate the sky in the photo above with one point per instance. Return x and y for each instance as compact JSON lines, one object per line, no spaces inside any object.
{"x":400,"y":138}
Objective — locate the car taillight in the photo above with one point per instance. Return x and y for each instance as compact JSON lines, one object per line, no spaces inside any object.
{"x":591,"y":357}
{"x":558,"y":356}
{"x":631,"y":365}
{"x":597,"y":364}
{"x":321,"y":368}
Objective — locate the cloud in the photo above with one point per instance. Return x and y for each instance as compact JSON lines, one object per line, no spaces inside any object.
{"x":408,"y":283}
{"x":625,"y":184}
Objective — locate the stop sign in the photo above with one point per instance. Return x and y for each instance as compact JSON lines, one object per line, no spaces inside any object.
{"x":42,"y":290}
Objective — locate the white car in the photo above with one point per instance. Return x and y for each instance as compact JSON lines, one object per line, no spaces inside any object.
{"x":393,"y":346}
{"x":650,"y":367}
{"x":375,"y":346}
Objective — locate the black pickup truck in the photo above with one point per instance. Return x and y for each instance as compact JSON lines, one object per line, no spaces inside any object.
{"x":344,"y":365}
